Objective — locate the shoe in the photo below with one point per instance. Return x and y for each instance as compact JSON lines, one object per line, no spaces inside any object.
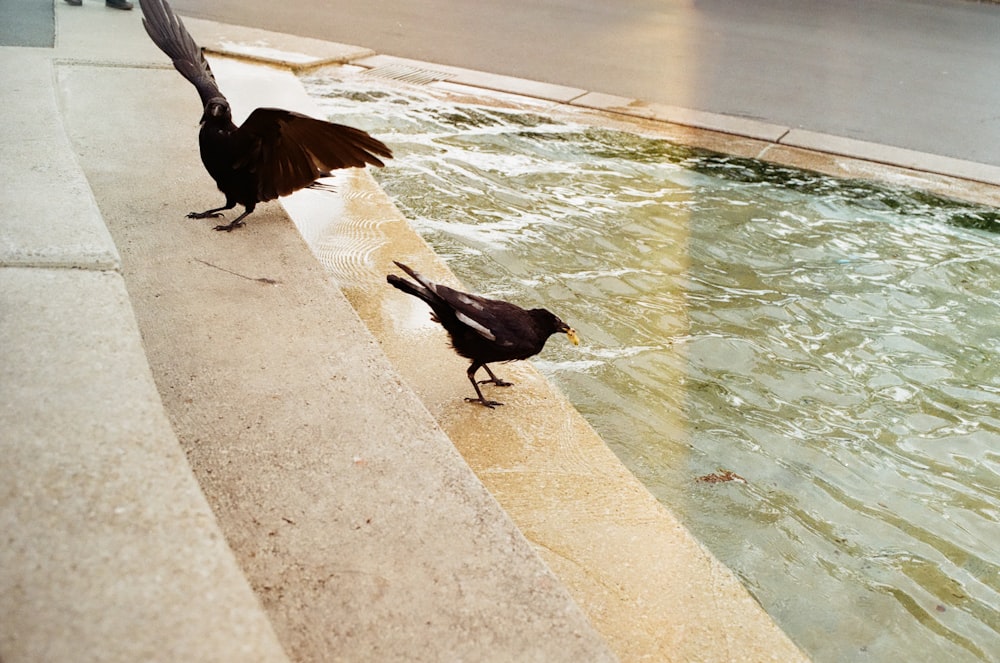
{"x":117,"y":4}
{"x":75,"y":3}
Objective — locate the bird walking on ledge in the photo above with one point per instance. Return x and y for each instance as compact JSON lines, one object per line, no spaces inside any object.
{"x":484,"y":330}
{"x":274,"y":152}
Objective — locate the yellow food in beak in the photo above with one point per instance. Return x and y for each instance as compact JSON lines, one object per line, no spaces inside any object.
{"x":573,"y":338}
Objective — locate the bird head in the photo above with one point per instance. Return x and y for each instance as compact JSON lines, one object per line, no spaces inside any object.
{"x":217,"y":108}
{"x":555,"y":325}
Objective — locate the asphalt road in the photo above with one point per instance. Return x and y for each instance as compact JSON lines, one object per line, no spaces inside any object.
{"x":920,"y":74}
{"x":27,"y":23}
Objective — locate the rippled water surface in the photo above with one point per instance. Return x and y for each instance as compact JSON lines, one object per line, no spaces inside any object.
{"x":830,"y":347}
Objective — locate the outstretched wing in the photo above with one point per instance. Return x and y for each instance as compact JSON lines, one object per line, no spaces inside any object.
{"x":290,"y":151}
{"x":166,"y":30}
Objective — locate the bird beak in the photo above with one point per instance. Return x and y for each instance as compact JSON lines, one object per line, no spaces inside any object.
{"x":573,"y":338}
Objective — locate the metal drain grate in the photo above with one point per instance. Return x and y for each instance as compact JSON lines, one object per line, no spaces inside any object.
{"x":407,"y":74}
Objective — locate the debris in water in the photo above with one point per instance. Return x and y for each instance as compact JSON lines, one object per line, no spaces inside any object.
{"x":721,"y":476}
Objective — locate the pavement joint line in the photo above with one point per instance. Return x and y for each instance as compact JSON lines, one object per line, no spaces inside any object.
{"x":111,"y":64}
{"x":97,"y":266}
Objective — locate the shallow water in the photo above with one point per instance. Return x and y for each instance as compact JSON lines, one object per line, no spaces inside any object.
{"x":804,"y":369}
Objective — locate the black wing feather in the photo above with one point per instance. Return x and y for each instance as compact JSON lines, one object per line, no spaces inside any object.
{"x":168,"y":32}
{"x":293,"y":150}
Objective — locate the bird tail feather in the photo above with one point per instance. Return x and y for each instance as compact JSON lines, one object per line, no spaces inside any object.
{"x":167,"y":31}
{"x":423,"y":288}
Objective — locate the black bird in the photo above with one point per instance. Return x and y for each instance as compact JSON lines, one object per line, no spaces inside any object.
{"x":484,"y":330}
{"x":274,"y":152}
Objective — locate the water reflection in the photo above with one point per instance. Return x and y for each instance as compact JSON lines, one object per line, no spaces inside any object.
{"x":833,"y":342}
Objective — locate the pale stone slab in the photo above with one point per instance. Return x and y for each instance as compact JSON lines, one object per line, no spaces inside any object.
{"x":271,"y":47}
{"x":111,"y":553}
{"x":894,"y":156}
{"x":49,"y":215}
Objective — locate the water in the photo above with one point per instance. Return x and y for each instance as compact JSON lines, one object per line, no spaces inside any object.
{"x":829,"y":346}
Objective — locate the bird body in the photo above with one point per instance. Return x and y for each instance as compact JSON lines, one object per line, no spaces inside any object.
{"x":274,"y":152}
{"x":483,"y":330}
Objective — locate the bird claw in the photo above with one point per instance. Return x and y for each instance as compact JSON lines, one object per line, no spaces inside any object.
{"x":498,"y":382}
{"x":204,"y":215}
{"x":229,"y":227}
{"x":484,"y":402}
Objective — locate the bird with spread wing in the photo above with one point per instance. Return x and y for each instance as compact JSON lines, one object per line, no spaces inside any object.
{"x":274,"y":152}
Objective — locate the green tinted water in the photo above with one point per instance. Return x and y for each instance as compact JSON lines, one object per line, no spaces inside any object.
{"x":834,"y":344}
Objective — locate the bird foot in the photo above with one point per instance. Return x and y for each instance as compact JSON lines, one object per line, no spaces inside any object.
{"x":484,"y":402}
{"x":204,"y":215}
{"x":498,"y":382}
{"x":229,"y":227}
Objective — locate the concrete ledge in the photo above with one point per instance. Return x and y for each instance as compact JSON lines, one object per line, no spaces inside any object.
{"x":896,"y":156}
{"x":527,"y":88}
{"x":746,"y":128}
{"x":110,"y":552}
{"x":685,"y":116}
{"x":271,"y":47}
{"x":50,"y":216}
{"x":796,"y":138}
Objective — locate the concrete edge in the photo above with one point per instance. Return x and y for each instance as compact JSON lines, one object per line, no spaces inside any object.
{"x":111,"y":551}
{"x":300,"y":53}
{"x":51,"y":217}
{"x":273,"y":48}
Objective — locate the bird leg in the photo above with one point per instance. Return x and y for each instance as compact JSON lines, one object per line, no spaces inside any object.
{"x":211,"y":213}
{"x":481,"y":400}
{"x":494,"y":379}
{"x":237,"y":222}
